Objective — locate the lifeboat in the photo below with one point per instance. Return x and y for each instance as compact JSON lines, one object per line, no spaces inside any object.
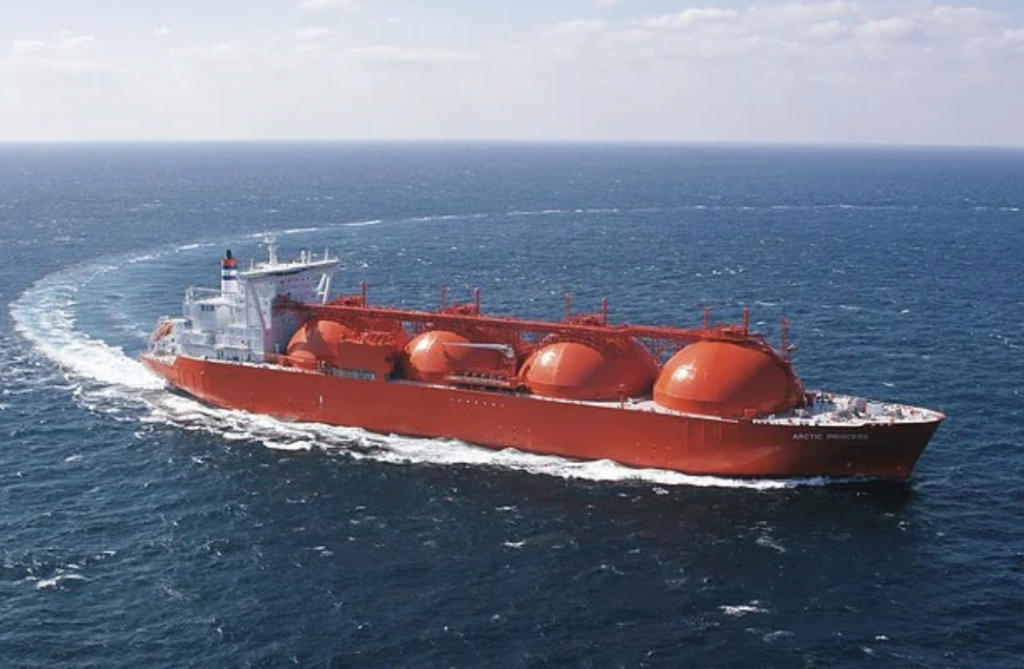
{"x":716,"y":378}
{"x":436,"y":356}
{"x":577,"y":371}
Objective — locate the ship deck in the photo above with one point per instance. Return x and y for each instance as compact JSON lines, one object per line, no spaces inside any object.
{"x":829,"y":410}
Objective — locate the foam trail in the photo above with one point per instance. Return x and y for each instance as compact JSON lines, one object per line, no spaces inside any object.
{"x":44,"y":314}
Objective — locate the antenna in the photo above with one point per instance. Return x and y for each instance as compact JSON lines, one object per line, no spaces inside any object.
{"x":271,"y":243}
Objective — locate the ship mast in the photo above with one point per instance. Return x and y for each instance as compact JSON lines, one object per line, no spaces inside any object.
{"x":271,"y":243}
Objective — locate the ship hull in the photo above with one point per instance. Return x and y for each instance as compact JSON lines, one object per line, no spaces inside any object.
{"x":590,"y":431}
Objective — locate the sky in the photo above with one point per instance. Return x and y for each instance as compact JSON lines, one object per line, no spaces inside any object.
{"x":801,"y":71}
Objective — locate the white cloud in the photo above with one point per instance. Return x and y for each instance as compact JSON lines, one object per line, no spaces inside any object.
{"x":62,"y":45}
{"x":691,"y":16}
{"x":827,"y":29}
{"x":1013,"y":36}
{"x":68,"y":52}
{"x":835,"y":33}
{"x":162,"y":31}
{"x":392,"y":55}
{"x":887,"y":28}
{"x":314,"y":34}
{"x":764,"y":70}
{"x":803,"y":12}
{"x":29,"y":46}
{"x":575,"y":27}
{"x":961,"y":15}
{"x":345,"y":5}
{"x":224,"y":53}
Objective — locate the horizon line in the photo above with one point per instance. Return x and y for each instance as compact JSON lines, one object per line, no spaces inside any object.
{"x":510,"y":142}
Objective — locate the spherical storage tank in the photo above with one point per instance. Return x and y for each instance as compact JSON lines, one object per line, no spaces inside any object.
{"x":434,"y":355}
{"x":726,"y":379}
{"x":577,"y":371}
{"x":317,"y":341}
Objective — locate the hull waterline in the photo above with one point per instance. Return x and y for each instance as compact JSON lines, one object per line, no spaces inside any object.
{"x":628,"y":433}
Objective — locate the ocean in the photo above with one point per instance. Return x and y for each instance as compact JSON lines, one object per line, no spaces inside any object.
{"x":139,"y":528}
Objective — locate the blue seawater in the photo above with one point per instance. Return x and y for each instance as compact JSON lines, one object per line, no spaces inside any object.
{"x":141,"y":529}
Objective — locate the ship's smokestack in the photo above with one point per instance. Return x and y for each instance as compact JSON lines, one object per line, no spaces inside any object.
{"x":228,"y":274}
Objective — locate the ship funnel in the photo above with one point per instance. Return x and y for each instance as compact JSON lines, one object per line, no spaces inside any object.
{"x":228,"y":274}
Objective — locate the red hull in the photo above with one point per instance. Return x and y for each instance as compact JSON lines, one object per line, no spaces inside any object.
{"x":684,"y":443}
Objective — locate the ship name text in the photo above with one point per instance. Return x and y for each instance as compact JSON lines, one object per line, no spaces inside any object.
{"x":830,"y":436}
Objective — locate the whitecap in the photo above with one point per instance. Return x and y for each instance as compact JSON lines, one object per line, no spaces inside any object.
{"x":771,"y":637}
{"x":296,"y":231}
{"x":56,"y":580}
{"x":769,"y":542}
{"x":740,"y":610}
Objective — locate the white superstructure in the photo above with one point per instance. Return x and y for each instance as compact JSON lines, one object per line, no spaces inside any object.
{"x":237,"y":322}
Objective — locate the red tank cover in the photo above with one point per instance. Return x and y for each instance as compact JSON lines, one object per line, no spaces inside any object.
{"x":577,"y":371}
{"x":434,"y":355}
{"x":317,"y":341}
{"x":725,"y":379}
{"x":334,"y":344}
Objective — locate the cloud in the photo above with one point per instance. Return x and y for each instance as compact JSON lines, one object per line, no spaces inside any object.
{"x":1013,"y":36}
{"x":389,"y":55}
{"x":223,"y":54}
{"x":351,"y":6}
{"x":575,"y":27}
{"x":759,"y":70}
{"x":68,"y":53}
{"x":64,"y":45}
{"x":28,"y":46}
{"x":689,"y":17}
{"x":893,"y":27}
{"x":804,"y":12}
{"x":811,"y":35}
{"x":827,"y":29}
{"x":313,"y":34}
{"x":872,"y":70}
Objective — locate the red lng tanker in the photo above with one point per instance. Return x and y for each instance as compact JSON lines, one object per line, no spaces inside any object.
{"x":713,"y":400}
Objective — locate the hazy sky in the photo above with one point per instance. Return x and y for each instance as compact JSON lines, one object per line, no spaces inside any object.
{"x":805,"y":71}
